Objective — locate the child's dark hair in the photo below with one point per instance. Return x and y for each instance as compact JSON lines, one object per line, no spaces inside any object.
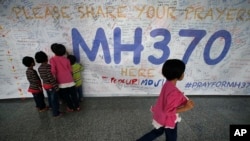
{"x":41,"y":57}
{"x":28,"y":61}
{"x":58,"y":49}
{"x":52,"y":47}
{"x":173,"y":69}
{"x":72,"y":59}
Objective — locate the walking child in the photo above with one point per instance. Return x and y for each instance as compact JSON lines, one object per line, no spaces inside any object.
{"x":35,"y":85}
{"x":169,"y":104}
{"x":49,"y":82}
{"x":77,"y":68}
{"x":61,"y":69}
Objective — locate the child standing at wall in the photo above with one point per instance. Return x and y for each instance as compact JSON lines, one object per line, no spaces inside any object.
{"x":169,"y":104}
{"x":77,"y":68}
{"x":35,"y":86}
{"x":49,"y":82}
{"x":61,"y":69}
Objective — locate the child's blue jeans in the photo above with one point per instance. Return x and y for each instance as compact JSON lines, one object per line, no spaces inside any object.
{"x":53,"y":98}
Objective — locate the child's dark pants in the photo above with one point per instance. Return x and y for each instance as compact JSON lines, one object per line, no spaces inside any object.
{"x":171,"y":134}
{"x":39,"y":100}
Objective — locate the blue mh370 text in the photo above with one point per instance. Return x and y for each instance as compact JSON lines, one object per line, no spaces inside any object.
{"x":137,"y":47}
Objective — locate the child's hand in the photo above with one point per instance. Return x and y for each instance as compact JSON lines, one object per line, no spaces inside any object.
{"x":190,"y":103}
{"x":188,"y":106}
{"x":151,"y":109}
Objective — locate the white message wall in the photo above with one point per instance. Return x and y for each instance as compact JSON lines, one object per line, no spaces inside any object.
{"x":123,"y":43}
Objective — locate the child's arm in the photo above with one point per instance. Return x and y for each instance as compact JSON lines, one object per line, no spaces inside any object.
{"x":53,"y":68}
{"x":188,"y":106}
{"x":52,"y":78}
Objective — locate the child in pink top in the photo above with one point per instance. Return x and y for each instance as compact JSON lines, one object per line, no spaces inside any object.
{"x":61,"y":69}
{"x":170,"y":102}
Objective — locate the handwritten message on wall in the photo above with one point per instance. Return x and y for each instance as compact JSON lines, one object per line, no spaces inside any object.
{"x":122,"y":44}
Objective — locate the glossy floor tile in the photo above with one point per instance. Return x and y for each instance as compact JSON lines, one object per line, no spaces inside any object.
{"x":120,"y":119}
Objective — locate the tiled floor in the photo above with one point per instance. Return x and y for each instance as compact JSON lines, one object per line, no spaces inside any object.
{"x":120,"y":119}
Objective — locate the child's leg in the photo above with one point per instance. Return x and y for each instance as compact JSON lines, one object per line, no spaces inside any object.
{"x":49,"y":99}
{"x":43,"y":100}
{"x":171,"y":134}
{"x":36,"y":100}
{"x":54,"y":101}
{"x":60,"y":97}
{"x":153,"y":134}
{"x":40,"y":100}
{"x":74,"y":98}
{"x":79,"y":92}
{"x":65,"y":92}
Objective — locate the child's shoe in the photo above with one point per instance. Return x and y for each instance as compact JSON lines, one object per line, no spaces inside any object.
{"x":69,"y":110}
{"x":78,"y":109}
{"x":44,"y":109}
{"x":59,"y":115}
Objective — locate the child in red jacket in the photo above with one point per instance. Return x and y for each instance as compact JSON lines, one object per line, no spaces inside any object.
{"x":62,"y":70}
{"x":170,"y":102}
